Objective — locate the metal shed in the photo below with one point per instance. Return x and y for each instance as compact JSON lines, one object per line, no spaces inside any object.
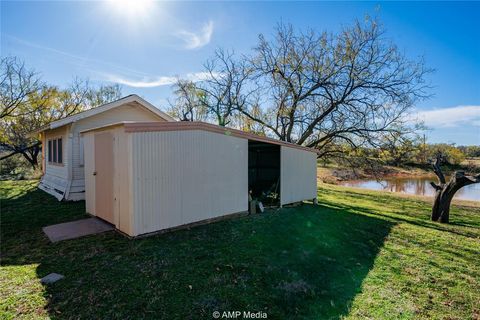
{"x":146,"y":177}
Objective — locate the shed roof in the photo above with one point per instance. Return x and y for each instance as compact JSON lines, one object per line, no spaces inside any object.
{"x":131,"y":126}
{"x":105,"y":107}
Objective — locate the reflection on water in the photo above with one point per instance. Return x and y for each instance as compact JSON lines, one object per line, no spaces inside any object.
{"x":419,"y":186}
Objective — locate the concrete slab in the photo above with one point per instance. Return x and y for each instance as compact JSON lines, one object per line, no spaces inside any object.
{"x":76,"y":229}
{"x":51,"y":278}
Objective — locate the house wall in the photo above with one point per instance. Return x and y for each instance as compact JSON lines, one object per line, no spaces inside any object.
{"x":55,"y":177}
{"x":56,"y":170}
{"x":180,"y":177}
{"x":89,"y":149}
{"x":298,"y":175}
{"x":128,"y":112}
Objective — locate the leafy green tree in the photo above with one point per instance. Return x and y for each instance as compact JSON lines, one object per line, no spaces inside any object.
{"x":398,"y":149}
{"x":470,"y":151}
{"x":29,"y":104}
{"x":451,"y":154}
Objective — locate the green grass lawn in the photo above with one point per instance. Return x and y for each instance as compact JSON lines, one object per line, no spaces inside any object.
{"x":358,"y":254}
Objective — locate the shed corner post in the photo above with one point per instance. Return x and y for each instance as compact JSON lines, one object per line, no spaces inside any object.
{"x":133,"y":218}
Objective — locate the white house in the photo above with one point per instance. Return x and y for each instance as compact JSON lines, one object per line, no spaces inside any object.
{"x":62,"y":144}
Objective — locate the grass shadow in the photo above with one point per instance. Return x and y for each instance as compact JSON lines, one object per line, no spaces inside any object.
{"x":410,"y":210}
{"x":302,"y":262}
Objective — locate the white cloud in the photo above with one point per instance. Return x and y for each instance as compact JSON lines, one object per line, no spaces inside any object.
{"x":196,"y":40}
{"x":73,"y":59}
{"x":451,"y":117}
{"x":154,"y":81}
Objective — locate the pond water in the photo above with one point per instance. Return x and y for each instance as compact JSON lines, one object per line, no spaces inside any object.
{"x":418,"y":186}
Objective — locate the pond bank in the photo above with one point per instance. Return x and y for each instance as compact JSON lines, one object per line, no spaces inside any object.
{"x":407,"y":180}
{"x":415,"y":186}
{"x":336,"y":175}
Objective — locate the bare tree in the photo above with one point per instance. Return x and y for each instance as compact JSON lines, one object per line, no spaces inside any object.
{"x":322,"y":90}
{"x":444,"y":191}
{"x":224,"y":88}
{"x":218,"y":96}
{"x":17,"y":83}
{"x":351,"y":90}
{"x":80,"y":95}
{"x":187,"y":105}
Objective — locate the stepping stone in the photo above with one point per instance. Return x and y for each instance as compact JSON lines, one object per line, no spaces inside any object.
{"x":76,"y":229}
{"x":51,"y":278}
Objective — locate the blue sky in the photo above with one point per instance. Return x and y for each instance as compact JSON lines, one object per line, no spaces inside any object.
{"x":144,"y":47}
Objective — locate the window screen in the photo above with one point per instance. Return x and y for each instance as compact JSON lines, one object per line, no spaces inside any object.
{"x":50,"y":159}
{"x":54,"y":142}
{"x":59,"y":151}
{"x":55,"y":151}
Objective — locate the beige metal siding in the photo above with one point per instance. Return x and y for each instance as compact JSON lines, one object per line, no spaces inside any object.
{"x":122,"y":192}
{"x":298,"y":175}
{"x":122,"y":179}
{"x":180,"y":177}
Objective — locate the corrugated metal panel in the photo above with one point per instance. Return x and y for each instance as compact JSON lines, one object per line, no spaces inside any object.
{"x":298,"y":175}
{"x":181,"y":177}
{"x":122,"y":211}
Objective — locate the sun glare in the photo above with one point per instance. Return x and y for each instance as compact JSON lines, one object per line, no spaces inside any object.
{"x":131,"y":8}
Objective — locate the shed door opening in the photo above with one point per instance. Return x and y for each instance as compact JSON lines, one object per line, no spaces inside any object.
{"x":104,"y":176}
{"x":264,"y":172}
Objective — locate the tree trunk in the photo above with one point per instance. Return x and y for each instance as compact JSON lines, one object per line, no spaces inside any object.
{"x":441,"y":206}
{"x":30,"y":153}
{"x":445,"y":191}
{"x":436,"y":203}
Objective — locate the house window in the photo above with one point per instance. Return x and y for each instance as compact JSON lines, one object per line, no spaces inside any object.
{"x":59,"y":151}
{"x":55,"y":151}
{"x":50,"y":151}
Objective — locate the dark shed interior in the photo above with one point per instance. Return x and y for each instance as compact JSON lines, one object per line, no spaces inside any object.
{"x":264,"y":172}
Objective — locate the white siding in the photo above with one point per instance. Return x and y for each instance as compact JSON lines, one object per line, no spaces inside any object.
{"x":180,"y":177}
{"x":55,"y":178}
{"x":74,"y":180}
{"x":55,"y":170}
{"x":128,"y":112}
{"x":89,"y":147}
{"x":298,"y":175}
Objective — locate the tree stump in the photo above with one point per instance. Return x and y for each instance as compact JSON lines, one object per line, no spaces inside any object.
{"x":444,"y":191}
